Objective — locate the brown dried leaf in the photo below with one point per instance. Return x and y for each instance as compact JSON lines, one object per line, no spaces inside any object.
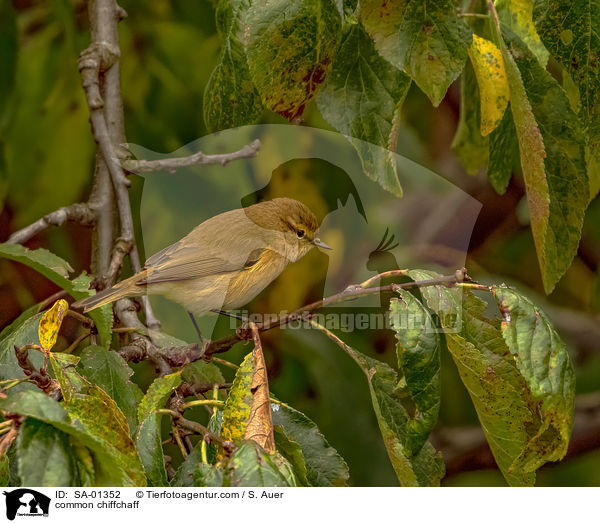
{"x":260,"y":424}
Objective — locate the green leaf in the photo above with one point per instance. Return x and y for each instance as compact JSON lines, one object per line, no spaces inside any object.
{"x":564,"y":164}
{"x":149,"y":445}
{"x":46,"y":458}
{"x":251,"y":466}
{"x":9,"y":44}
{"x":184,"y":476}
{"x":57,"y":270}
{"x":324,"y":467}
{"x":422,"y":468}
{"x":504,"y":148}
{"x":98,"y":414}
{"x":570,"y":32}
{"x":291,"y":451}
{"x":542,"y":359}
{"x":95,"y":422}
{"x":419,"y":361}
{"x":46,"y":263}
{"x":469,"y":145}
{"x":230,"y":98}
{"x":520,"y":435}
{"x":239,"y":402}
{"x":148,"y":439}
{"x":202,"y":372}
{"x":158,"y":393}
{"x":4,"y":470}
{"x":290,"y":47}
{"x":23,"y":331}
{"x":109,"y":370}
{"x":362,"y":98}
{"x":208,"y":476}
{"x":518,"y":16}
{"x":424,"y":38}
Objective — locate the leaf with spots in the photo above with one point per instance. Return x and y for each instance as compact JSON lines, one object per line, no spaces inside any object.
{"x":50,"y":324}
{"x":570,"y":32}
{"x":108,"y":370}
{"x":525,"y":427}
{"x":93,"y":420}
{"x":424,"y":38}
{"x":558,"y":221}
{"x":542,"y":359}
{"x":419,"y":362}
{"x":230,"y":98}
{"x":290,"y":46}
{"x":158,"y":393}
{"x":518,"y":16}
{"x":239,"y":402}
{"x":491,"y":77}
{"x":362,"y":98}
{"x":247,"y":411}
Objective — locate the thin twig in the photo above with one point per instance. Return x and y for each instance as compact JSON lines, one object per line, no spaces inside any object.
{"x":351,"y":292}
{"x":172,"y":164}
{"x":209,"y":403}
{"x":177,"y":438}
{"x":225,"y":363}
{"x":78,"y":212}
{"x":77,"y":341}
{"x":472,"y":15}
{"x":88,"y":322}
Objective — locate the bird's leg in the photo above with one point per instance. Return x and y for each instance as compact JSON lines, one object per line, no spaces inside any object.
{"x":200,"y":337}
{"x":230,"y":315}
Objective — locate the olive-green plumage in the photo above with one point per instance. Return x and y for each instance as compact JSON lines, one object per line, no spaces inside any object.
{"x":225,"y":261}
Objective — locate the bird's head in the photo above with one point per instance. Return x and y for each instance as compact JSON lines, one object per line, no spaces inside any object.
{"x":295,"y":220}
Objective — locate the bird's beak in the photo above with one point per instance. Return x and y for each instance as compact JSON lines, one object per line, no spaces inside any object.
{"x":318,"y":243}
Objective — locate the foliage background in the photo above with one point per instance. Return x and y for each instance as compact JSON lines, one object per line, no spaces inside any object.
{"x":169,"y":49}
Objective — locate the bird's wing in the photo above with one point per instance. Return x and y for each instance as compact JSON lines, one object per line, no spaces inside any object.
{"x":219,"y":245}
{"x":180,"y":263}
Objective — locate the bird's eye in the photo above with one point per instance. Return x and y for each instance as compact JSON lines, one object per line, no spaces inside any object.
{"x":300,"y":233}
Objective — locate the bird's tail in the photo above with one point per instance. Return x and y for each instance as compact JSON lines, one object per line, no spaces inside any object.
{"x":123,"y":289}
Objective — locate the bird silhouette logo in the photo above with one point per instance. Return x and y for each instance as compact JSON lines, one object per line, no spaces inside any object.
{"x":27,"y":502}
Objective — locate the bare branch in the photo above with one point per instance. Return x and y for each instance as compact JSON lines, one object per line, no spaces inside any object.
{"x":172,"y":164}
{"x":78,"y":212}
{"x":106,"y":116}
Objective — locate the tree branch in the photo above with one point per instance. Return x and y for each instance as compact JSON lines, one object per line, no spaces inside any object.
{"x":106,"y":117}
{"x":349,"y":293}
{"x":78,"y":212}
{"x":172,"y":164}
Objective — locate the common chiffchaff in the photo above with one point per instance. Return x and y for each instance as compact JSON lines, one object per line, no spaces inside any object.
{"x":225,"y":261}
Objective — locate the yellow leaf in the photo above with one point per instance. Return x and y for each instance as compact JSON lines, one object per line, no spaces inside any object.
{"x":493,"y":87}
{"x":523,"y":10}
{"x":50,"y":324}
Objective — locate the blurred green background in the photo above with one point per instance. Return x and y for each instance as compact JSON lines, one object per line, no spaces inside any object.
{"x":168,"y":50}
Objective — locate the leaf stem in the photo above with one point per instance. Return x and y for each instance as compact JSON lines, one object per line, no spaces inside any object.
{"x":209,"y":403}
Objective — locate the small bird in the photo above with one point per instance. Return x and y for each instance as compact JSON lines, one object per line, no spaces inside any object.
{"x":225,"y":261}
